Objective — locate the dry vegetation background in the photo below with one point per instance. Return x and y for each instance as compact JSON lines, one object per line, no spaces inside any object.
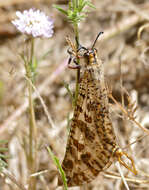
{"x":126,"y":69}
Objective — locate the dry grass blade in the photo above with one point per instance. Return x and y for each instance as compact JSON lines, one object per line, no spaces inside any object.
{"x":127,"y":114}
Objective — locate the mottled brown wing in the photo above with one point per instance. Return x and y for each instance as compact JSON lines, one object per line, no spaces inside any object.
{"x":91,"y":139}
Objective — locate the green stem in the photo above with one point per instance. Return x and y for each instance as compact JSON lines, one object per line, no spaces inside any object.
{"x":32,"y":122}
{"x":74,"y":4}
{"x":32,"y":51}
{"x":32,"y":139}
{"x":78,"y":70}
{"x":32,"y":57}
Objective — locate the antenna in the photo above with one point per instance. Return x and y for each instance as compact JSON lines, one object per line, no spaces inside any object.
{"x":96,"y":39}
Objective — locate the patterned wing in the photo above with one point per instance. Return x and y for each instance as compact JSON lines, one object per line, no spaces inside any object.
{"x":91,"y":140}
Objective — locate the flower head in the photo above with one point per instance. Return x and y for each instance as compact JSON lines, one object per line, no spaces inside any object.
{"x":35,"y":23}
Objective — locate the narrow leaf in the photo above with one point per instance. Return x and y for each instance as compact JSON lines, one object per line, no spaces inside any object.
{"x":60,"y":9}
{"x":57,"y":163}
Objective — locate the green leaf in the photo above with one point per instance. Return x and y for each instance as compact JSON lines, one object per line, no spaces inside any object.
{"x":68,"y":90}
{"x":60,"y":9}
{"x":4,"y":156}
{"x":75,"y":12}
{"x":81,"y":5}
{"x":3,"y":141}
{"x":90,"y":4}
{"x":2,"y":164}
{"x":35,"y":64}
{"x":44,"y":55}
{"x":61,"y":171}
{"x":3,"y":149}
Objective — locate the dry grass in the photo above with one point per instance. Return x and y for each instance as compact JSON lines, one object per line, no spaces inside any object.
{"x":126,"y":65}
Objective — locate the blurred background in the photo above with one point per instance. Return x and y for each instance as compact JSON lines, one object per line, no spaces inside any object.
{"x":124,"y":49}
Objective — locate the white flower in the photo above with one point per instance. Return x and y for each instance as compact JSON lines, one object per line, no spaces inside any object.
{"x":35,"y":23}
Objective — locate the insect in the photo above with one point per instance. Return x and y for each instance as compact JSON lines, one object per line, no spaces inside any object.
{"x":91,"y":143}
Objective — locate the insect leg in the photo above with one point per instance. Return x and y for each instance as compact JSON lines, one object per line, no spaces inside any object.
{"x":119,"y":153}
{"x":76,"y":66}
{"x":70,"y":51}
